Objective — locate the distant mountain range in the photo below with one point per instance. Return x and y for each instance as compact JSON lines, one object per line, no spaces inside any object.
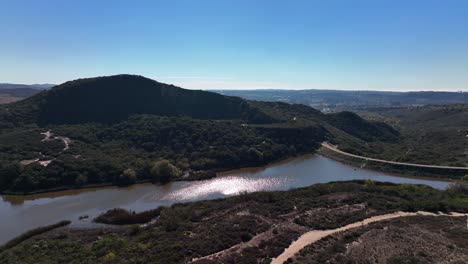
{"x":325,"y":100}
{"x":20,"y":86}
{"x":11,"y":92}
{"x":337,"y":99}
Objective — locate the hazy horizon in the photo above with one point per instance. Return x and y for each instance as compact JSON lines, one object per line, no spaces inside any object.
{"x":335,"y":45}
{"x":262,"y":89}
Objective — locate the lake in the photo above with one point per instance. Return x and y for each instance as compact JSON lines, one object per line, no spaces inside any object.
{"x":20,"y":213}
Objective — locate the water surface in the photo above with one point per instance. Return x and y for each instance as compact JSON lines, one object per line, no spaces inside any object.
{"x":20,"y":213}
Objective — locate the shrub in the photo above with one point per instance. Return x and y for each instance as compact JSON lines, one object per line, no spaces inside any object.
{"x":164,"y":170}
{"x":81,"y":180}
{"x":458,"y":188}
{"x":119,"y":216}
{"x":127,"y":177}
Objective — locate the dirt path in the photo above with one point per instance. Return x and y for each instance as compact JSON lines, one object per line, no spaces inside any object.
{"x":50,"y":136}
{"x":313,"y":236}
{"x":333,"y":148}
{"x":255,"y":241}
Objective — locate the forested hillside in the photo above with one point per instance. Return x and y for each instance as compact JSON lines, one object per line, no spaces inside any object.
{"x":112,"y":99}
{"x":435,"y":134}
{"x":124,"y":129}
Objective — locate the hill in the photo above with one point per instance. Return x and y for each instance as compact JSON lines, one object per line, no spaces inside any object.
{"x":114,"y":98}
{"x":9,"y":95}
{"x":121,"y":129}
{"x":433,"y":134}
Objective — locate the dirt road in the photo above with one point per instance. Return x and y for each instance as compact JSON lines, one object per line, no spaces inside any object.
{"x":314,"y":236}
{"x":335,"y":149}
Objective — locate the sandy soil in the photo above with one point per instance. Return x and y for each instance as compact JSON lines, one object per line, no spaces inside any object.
{"x":313,"y":236}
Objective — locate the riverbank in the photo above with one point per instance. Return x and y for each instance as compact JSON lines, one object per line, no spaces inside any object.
{"x":249,"y":228}
{"x":403,"y":170}
{"x":42,"y":209}
{"x":68,"y":188}
{"x":191,"y":176}
{"x":408,"y":172}
{"x":33,"y":232}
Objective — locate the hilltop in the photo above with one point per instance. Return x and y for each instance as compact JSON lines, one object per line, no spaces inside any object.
{"x":114,"y":98}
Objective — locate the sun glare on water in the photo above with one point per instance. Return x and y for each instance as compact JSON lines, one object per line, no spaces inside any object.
{"x":226,"y":186}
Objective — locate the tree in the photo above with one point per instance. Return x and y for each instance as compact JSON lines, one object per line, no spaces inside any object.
{"x":81,"y":180}
{"x":254,"y":155}
{"x":128,"y":176}
{"x":164,"y":170}
{"x":8,"y":173}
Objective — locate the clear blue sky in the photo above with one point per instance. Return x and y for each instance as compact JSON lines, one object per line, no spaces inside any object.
{"x":201,"y":44}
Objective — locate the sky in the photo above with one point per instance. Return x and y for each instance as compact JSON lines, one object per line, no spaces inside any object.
{"x":240,"y":44}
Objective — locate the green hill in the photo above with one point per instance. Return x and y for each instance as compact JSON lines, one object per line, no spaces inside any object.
{"x":115,"y":98}
{"x":115,"y":129}
{"x":433,"y":134}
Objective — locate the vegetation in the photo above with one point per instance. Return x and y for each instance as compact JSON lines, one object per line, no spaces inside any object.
{"x":128,"y":176}
{"x":352,"y":124}
{"x":455,"y":174}
{"x":102,"y":153}
{"x":112,"y":99}
{"x":194,"y":230}
{"x":415,"y":239}
{"x":119,"y":134}
{"x":31,"y":233}
{"x":120,"y":216}
{"x":164,"y":171}
{"x":435,"y":135}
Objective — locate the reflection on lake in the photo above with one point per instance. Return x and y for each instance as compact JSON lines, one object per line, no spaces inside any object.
{"x":21,"y":213}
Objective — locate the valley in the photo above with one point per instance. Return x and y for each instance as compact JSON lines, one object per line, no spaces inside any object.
{"x":251,"y":177}
{"x":234,"y":132}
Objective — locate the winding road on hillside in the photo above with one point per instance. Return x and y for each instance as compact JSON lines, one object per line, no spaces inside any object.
{"x":315,"y":235}
{"x":335,"y":149}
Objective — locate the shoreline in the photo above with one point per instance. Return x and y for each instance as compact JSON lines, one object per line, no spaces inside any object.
{"x":217,"y":173}
{"x":417,"y":173}
{"x":222,"y":173}
{"x":69,"y":188}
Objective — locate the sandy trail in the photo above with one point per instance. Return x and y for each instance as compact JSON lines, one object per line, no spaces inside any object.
{"x":50,"y":136}
{"x":313,"y":236}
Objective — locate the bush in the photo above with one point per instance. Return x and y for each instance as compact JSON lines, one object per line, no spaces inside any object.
{"x":127,"y":177}
{"x":81,"y":180}
{"x":9,"y":172}
{"x":118,"y":216}
{"x":164,"y":171}
{"x":458,"y":188}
